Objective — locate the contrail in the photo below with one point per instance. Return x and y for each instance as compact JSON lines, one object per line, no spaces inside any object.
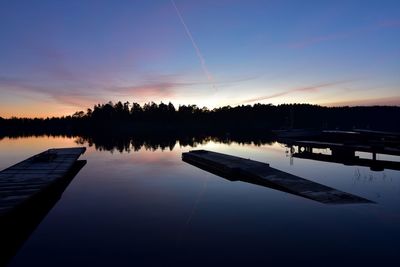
{"x":210,"y":78}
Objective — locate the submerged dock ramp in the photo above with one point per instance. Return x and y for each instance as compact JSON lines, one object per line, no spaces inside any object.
{"x":236,"y":168}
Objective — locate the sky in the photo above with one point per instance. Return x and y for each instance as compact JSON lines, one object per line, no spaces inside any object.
{"x":58,"y":57}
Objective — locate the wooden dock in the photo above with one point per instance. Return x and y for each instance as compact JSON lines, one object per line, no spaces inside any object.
{"x":25,"y":181}
{"x":347,"y":148}
{"x":29,"y":190}
{"x":236,"y":168}
{"x":373,"y":164}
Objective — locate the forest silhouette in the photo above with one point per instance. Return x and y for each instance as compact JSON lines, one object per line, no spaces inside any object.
{"x":155,"y":119}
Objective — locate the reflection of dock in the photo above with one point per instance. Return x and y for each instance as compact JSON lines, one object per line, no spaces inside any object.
{"x":28,"y":190}
{"x":346,"y":154}
{"x":235,"y":168}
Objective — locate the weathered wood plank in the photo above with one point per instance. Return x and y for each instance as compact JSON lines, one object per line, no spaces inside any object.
{"x":16,"y":224}
{"x":23,"y":181}
{"x":236,"y":168}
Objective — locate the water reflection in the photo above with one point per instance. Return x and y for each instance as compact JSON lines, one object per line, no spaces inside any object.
{"x":124,"y":208}
{"x":128,"y":143}
{"x":309,"y":150}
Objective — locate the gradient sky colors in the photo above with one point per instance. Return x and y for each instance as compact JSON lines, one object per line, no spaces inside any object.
{"x":57,"y":57}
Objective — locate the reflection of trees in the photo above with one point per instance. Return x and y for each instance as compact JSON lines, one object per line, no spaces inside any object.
{"x":159,"y":142}
{"x":126,"y":143}
{"x":25,"y":135}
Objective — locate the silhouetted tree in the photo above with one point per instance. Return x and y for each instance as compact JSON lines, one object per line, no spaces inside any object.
{"x":153,"y":117}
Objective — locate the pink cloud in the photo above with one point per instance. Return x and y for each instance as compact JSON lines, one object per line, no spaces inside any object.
{"x":78,"y":101}
{"x":156,"y":89}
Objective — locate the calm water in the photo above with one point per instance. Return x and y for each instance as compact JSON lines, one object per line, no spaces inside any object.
{"x":148,"y":207}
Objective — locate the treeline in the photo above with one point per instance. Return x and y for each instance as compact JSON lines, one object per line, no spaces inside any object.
{"x":156,"y":118}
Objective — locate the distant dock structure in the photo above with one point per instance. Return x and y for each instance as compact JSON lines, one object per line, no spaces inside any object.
{"x":236,"y":168}
{"x":343,"y":146}
{"x":346,"y":154}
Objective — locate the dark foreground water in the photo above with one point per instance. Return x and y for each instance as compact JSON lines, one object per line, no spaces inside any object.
{"x":149,"y":208}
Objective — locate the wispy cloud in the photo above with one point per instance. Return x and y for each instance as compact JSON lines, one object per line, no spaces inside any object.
{"x":52,"y":61}
{"x":318,"y":39}
{"x":308,"y":89}
{"x":166,"y":86}
{"x":154,"y":87}
{"x":148,"y":90}
{"x":389,"y":23}
{"x":79,"y":101}
{"x":384,"y":101}
{"x":75,"y":96}
{"x":17,"y":84}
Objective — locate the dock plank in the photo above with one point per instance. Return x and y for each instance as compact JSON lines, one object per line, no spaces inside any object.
{"x":24,"y":180}
{"x":236,"y":168}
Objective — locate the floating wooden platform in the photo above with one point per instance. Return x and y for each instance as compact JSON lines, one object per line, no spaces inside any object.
{"x":236,"y":168}
{"x":25,"y":181}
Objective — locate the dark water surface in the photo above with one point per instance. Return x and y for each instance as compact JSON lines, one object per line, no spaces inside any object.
{"x":149,"y":208}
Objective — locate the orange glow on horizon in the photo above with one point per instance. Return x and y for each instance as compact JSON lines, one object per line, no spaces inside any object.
{"x":37,"y":111}
{"x":55,"y":109}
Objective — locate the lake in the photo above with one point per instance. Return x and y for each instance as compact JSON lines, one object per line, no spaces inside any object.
{"x":142,"y":205}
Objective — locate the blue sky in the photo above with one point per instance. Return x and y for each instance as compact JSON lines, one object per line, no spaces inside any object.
{"x":61,"y":56}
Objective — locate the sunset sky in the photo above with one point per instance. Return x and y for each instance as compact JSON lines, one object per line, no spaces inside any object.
{"x":57,"y":57}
